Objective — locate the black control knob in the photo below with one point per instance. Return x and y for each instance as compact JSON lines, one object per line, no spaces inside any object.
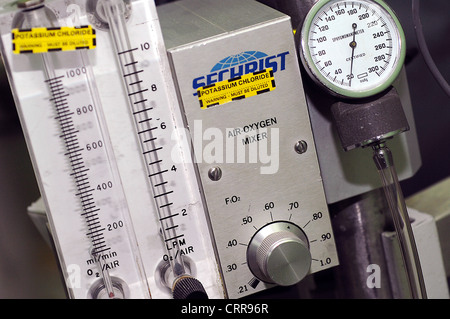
{"x":187,"y":287}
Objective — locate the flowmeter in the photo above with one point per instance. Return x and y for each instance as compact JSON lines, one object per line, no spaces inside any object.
{"x":172,"y":148}
{"x":98,"y":108}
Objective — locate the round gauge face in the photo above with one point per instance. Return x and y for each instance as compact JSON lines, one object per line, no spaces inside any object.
{"x":353,"y":48}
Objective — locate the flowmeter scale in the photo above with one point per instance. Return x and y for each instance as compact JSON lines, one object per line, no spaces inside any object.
{"x":101,"y":126}
{"x":160,"y":170}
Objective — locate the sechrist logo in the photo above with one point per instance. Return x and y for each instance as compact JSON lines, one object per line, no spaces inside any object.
{"x":240,"y":64}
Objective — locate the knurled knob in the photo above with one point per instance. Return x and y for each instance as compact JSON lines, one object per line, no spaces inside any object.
{"x":187,"y":287}
{"x":279,"y":253}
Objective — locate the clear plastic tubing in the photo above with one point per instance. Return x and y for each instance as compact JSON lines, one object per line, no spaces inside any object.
{"x":383,"y":159}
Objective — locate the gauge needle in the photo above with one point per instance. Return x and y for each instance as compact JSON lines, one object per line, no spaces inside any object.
{"x":353,"y":46}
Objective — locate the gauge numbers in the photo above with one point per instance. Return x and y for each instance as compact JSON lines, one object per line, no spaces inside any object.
{"x":353,"y":48}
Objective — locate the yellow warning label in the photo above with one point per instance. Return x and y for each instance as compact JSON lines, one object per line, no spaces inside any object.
{"x":41,"y":40}
{"x":236,"y":89}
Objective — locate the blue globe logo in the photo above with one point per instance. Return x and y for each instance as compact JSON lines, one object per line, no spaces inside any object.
{"x":236,"y":59}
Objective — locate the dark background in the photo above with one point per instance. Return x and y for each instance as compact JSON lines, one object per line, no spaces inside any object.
{"x":28,"y":268}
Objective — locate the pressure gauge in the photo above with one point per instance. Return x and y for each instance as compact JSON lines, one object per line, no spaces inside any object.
{"x":354,"y":49}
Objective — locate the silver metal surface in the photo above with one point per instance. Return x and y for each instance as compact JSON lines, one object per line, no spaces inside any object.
{"x":286,"y":185}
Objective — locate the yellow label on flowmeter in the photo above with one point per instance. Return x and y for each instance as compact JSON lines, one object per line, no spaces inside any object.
{"x":41,"y":40}
{"x":236,"y":89}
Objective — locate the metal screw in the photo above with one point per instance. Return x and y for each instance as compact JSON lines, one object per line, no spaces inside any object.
{"x":301,"y":147}
{"x":215,"y":173}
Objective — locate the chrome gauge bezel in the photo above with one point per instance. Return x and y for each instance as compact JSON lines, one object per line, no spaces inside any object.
{"x":315,"y":73}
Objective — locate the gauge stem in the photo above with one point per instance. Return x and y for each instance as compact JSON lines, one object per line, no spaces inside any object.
{"x":107,"y":281}
{"x":383,"y":159}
